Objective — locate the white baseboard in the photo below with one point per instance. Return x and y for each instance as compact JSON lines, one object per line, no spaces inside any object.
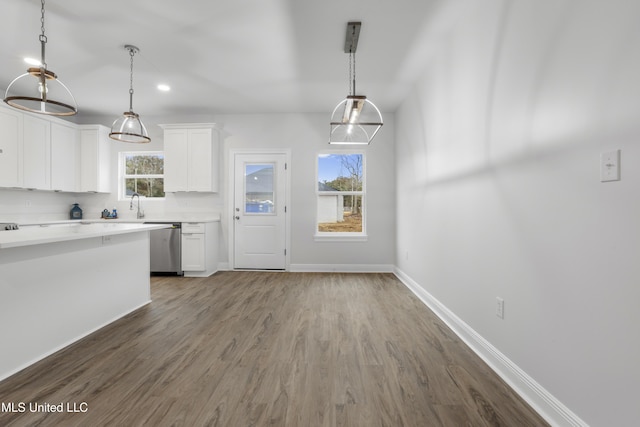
{"x":329,"y":268}
{"x":550,"y":408}
{"x":341,"y":268}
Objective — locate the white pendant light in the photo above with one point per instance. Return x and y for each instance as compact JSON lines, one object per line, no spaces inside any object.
{"x":39,"y":90}
{"x":355,"y":120}
{"x":128,"y":127}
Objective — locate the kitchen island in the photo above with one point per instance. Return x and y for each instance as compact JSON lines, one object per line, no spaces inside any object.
{"x":60,"y":283}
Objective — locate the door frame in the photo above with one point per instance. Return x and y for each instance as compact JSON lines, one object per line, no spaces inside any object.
{"x":231,"y":197}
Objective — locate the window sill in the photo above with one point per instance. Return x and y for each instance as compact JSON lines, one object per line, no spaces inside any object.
{"x":340,"y":237}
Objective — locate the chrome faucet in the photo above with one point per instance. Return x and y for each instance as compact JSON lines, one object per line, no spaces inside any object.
{"x":140,"y":213}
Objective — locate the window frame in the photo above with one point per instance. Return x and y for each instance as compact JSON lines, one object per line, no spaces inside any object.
{"x":333,"y":236}
{"x":122,"y":176}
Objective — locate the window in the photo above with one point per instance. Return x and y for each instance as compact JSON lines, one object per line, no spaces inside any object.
{"x":142,"y":172}
{"x":258,"y":189}
{"x":341,"y":195}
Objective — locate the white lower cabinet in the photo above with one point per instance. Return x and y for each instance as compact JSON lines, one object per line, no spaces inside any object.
{"x":199,"y":248}
{"x":193,"y":252}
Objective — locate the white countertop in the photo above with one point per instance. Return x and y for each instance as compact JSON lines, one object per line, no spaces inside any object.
{"x":121,"y":220}
{"x":60,"y":232}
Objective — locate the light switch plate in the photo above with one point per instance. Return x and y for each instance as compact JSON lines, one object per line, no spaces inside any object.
{"x":610,"y":166}
{"x":500,"y":307}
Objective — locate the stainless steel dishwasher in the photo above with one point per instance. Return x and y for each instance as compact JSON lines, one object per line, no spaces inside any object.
{"x":166,"y":253}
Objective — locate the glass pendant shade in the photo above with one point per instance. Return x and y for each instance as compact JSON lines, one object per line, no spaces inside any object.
{"x":129,"y":128}
{"x":39,"y":90}
{"x":355,"y":121}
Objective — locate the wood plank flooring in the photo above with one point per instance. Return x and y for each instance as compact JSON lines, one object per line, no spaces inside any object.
{"x":263,"y":348}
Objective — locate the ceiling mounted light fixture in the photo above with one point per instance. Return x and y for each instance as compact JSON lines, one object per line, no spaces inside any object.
{"x":128,"y":127}
{"x":45,"y":94}
{"x":355,"y":120}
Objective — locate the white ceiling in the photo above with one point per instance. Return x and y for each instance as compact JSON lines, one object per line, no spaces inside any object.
{"x":219,"y":56}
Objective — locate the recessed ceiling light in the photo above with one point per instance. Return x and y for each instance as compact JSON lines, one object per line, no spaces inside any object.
{"x":164,"y":88}
{"x":32,"y":61}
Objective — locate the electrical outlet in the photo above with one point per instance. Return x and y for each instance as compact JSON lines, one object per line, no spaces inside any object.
{"x":27,"y":203}
{"x":500,"y":307}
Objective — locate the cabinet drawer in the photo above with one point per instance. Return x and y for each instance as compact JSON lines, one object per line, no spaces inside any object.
{"x":192,"y":228}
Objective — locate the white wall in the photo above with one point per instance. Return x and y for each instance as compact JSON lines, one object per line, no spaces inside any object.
{"x":498,"y":191}
{"x":306,"y":135}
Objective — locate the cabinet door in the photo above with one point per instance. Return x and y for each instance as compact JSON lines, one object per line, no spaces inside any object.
{"x":200,"y":153}
{"x":95,"y":162}
{"x":193,"y":252}
{"x":10,"y":148}
{"x":64,"y":153}
{"x":176,"y":160}
{"x":36,"y":153}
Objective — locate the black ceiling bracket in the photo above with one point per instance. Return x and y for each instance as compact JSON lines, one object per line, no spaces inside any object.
{"x":351,"y":40}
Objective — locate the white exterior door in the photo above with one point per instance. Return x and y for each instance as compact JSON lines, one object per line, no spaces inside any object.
{"x":260,"y":211}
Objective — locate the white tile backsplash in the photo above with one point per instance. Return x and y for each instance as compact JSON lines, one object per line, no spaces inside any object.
{"x":19,"y":205}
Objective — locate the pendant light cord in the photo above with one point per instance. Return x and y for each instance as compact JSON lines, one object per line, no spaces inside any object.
{"x":43,"y":62}
{"x":43,"y":38}
{"x":353,"y":60}
{"x":350,"y":78}
{"x":131,"y":53}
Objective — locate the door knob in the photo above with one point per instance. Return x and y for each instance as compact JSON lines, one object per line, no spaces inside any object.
{"x":237,"y":217}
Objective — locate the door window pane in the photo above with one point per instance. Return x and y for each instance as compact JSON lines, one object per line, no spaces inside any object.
{"x":258,"y":184}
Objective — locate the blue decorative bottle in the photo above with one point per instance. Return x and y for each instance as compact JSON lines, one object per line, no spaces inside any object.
{"x":76,"y":212}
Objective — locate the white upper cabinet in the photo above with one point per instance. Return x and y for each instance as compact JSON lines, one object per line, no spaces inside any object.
{"x":191,"y":157}
{"x":10,"y":148}
{"x":36,"y":152}
{"x":95,"y":160}
{"x":64,"y":157}
{"x":47,"y":153}
{"x":176,"y":159}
